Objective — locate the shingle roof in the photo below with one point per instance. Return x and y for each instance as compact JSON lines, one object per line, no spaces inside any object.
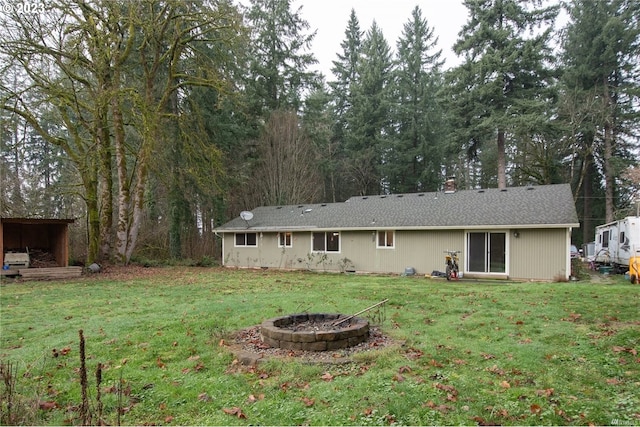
{"x":544,"y":205}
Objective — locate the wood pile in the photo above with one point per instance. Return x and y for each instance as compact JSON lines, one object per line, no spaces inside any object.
{"x":40,"y":258}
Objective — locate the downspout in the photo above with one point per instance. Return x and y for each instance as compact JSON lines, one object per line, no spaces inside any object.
{"x":215,"y":233}
{"x":567,"y":252}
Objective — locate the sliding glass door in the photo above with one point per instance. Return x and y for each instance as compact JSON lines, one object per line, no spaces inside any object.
{"x":487,"y":252}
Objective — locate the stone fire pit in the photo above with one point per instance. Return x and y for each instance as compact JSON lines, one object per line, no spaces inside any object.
{"x":314,"y":332}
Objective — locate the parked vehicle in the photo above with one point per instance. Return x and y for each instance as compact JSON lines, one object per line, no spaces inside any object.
{"x":573,"y":252}
{"x":618,"y":241}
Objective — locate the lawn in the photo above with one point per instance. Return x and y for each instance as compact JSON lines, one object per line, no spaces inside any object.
{"x":472,"y":353}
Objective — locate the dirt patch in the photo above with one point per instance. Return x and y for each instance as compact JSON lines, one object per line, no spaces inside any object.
{"x":249,"y":349}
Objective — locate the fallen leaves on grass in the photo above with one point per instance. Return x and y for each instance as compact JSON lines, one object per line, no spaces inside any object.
{"x":619,"y":349}
{"x":495,"y":370}
{"x":547,"y":392}
{"x":204,"y":397}
{"x":48,"y":405}
{"x":327,"y":376}
{"x":308,"y":402}
{"x":253,"y":398}
{"x":62,"y":352}
{"x":235,"y":411}
{"x":435,"y":363}
{"x":573,"y":317}
{"x":452,"y":393}
{"x":413,"y":353}
{"x":440,"y":408}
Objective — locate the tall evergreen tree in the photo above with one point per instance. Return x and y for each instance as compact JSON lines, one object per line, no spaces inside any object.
{"x":369,"y":122}
{"x":317,"y":122}
{"x":279,"y":59}
{"x":414,"y":160}
{"x":502,"y":85}
{"x":345,"y":71}
{"x":601,"y":81}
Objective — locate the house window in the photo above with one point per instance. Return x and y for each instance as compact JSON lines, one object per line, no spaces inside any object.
{"x":284,"y":240}
{"x":486,"y":252}
{"x":326,"y":241}
{"x":386,"y":239}
{"x":246,"y":239}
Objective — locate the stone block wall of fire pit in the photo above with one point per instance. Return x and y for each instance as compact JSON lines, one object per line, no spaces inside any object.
{"x":314,"y":332}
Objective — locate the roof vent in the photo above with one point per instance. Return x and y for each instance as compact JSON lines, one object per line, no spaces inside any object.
{"x":365,"y":197}
{"x":300,"y":206}
{"x":324,"y":204}
{"x":399,"y":195}
{"x":504,"y":190}
{"x":480,"y":191}
{"x":421,"y":195}
{"x":531,"y":187}
{"x":383,"y":197}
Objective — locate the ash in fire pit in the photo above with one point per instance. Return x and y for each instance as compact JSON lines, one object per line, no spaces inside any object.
{"x":314,"y":332}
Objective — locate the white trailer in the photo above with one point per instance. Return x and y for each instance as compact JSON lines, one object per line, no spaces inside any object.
{"x":618,"y":241}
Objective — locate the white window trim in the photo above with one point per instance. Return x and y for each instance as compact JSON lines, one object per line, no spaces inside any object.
{"x":393,"y":233}
{"x":507,"y":249}
{"x":235,"y":241}
{"x":290,"y":245}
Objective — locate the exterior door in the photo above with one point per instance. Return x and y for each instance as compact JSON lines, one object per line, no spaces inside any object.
{"x":487,"y":252}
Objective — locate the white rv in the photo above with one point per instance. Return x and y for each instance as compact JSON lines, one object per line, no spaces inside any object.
{"x":618,"y":241}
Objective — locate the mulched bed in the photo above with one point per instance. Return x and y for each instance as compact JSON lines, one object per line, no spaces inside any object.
{"x":249,"y":349}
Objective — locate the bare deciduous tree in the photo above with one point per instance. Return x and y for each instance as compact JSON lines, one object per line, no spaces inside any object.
{"x":288,"y":171}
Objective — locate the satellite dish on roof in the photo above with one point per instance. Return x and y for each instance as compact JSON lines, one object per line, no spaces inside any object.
{"x":246,"y":215}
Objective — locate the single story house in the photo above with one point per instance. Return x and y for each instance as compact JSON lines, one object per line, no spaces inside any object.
{"x":518,"y":233}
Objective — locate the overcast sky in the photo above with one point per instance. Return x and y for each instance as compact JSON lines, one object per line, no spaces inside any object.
{"x":330,"y":18}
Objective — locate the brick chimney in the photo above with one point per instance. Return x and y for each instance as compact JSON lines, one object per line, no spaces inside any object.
{"x":450,"y":185}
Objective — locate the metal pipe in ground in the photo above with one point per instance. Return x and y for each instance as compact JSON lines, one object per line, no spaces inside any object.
{"x":337,"y":322}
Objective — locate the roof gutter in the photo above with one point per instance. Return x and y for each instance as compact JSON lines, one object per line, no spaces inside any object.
{"x":403,"y":228}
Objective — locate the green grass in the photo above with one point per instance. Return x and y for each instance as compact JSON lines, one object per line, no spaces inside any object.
{"x":473,"y":353}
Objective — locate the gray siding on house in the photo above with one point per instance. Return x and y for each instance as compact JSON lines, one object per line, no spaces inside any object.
{"x":537,"y":254}
{"x":425,"y":225}
{"x":540,"y":254}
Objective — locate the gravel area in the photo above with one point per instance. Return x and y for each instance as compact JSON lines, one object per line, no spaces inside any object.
{"x":249,"y":349}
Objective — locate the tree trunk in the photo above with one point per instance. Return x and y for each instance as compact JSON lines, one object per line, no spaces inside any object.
{"x":176,"y":199}
{"x":502,"y":162}
{"x":105,"y":189}
{"x":122,"y":227}
{"x":607,"y":154}
{"x":138,"y":204}
{"x":587,"y":206}
{"x":93,"y":221}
